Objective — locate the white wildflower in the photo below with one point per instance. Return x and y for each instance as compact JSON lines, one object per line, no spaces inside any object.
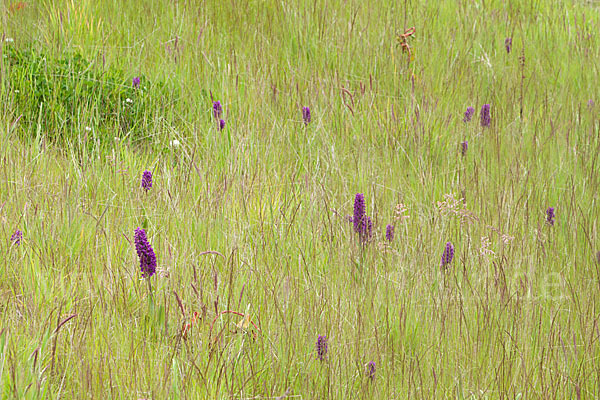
{"x":506,"y":239}
{"x":401,"y":213}
{"x":485,"y":250}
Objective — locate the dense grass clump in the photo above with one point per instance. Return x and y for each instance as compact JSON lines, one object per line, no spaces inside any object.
{"x":61,"y":95}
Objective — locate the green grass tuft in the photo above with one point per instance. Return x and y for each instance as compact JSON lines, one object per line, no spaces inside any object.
{"x":60,"y":95}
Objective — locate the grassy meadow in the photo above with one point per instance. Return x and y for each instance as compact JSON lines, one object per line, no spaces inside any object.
{"x":256,"y":256}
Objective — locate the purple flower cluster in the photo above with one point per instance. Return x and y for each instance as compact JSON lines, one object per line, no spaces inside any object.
{"x":363,"y":225}
{"x":448,"y":254}
{"x":217,"y":109}
{"x":321,"y":347}
{"x":485,"y":116}
{"x":389,"y":232}
{"x":16,"y":237}
{"x":136,"y":82}
{"x":508,"y":44}
{"x":371,"y":370}
{"x":145,"y":253}
{"x":550,"y":215}
{"x":147,"y":180}
{"x":306,"y":115}
{"x":469,"y":114}
{"x":359,"y":211}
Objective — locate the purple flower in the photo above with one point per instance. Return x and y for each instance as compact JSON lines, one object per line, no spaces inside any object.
{"x":464,"y":146}
{"x":359,"y":211}
{"x":485,"y":116}
{"x":508,"y":44}
{"x":371,"y":370}
{"x":16,"y":237}
{"x":469,"y":114}
{"x":550,"y":215}
{"x":217,"y":109}
{"x":136,"y":82}
{"x":591,"y":103}
{"x":306,"y":115}
{"x":147,"y":180}
{"x":221,"y":125}
{"x":389,"y":232}
{"x":363,"y":225}
{"x":145,"y":253}
{"x":321,"y":347}
{"x":448,"y":254}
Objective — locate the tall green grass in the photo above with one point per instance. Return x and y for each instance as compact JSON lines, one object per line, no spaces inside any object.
{"x":271,"y":196}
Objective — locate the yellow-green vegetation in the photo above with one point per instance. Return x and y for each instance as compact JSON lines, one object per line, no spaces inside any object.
{"x":250,"y":224}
